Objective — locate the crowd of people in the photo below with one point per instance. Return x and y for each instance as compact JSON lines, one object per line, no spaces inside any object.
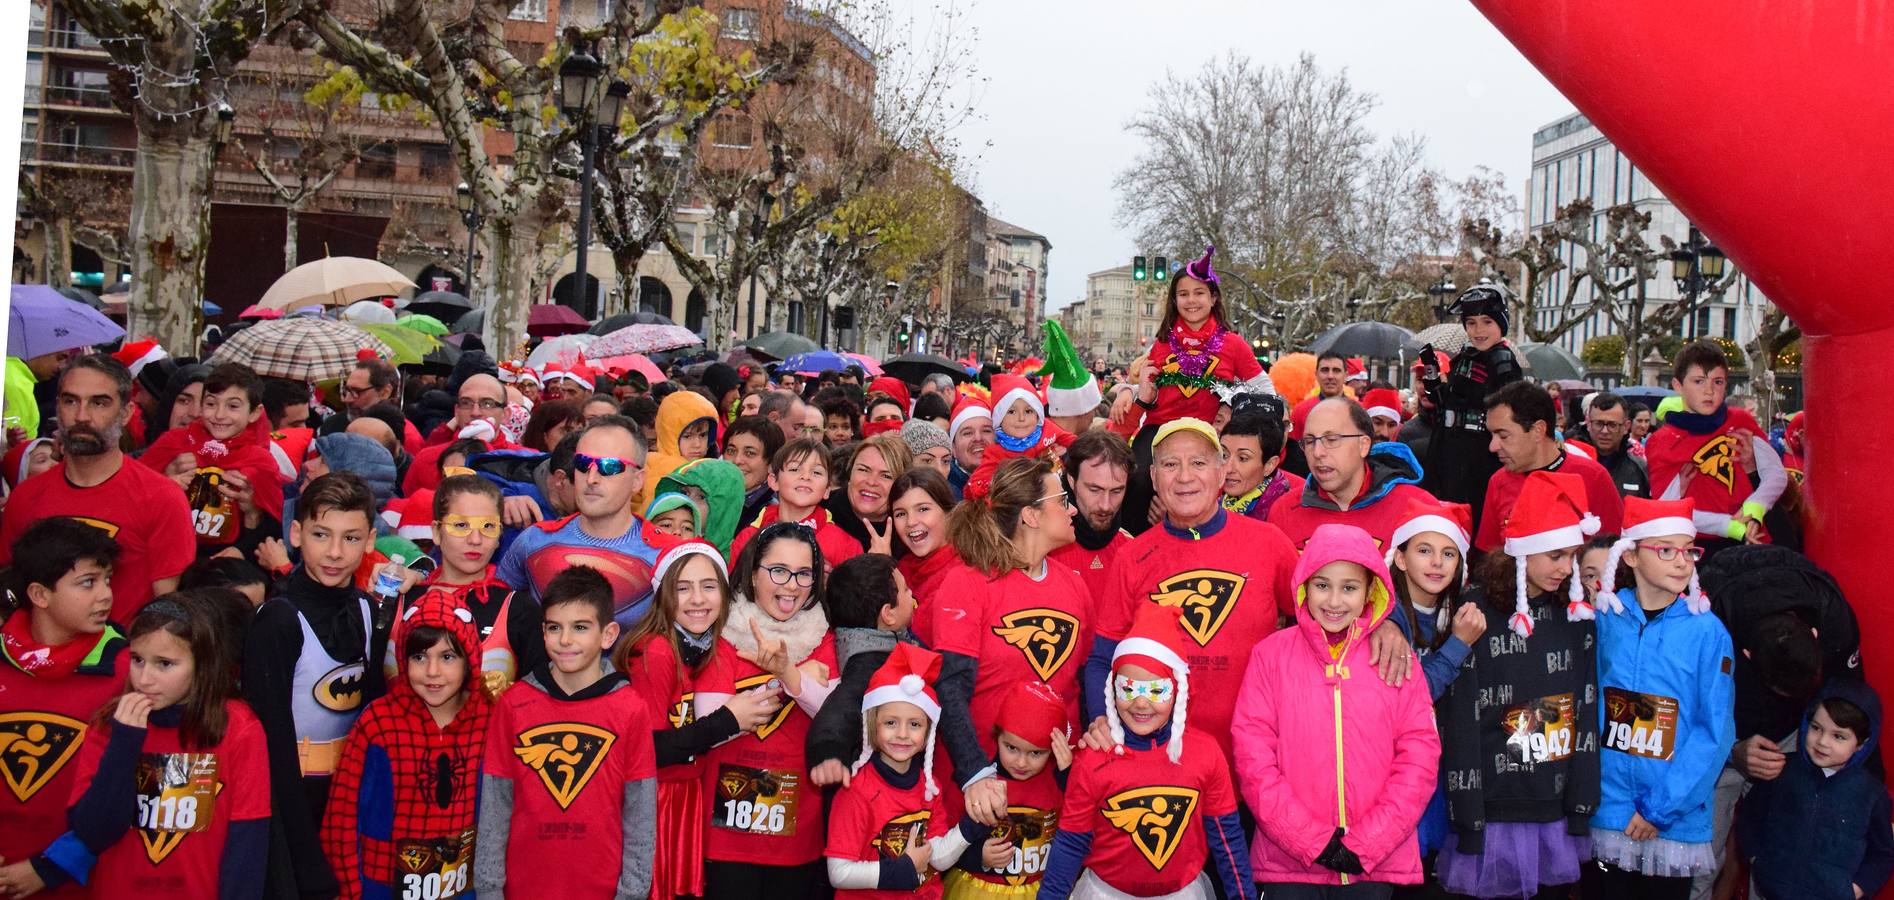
{"x":561,"y":632}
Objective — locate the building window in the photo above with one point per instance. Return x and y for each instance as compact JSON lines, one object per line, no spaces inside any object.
{"x":739,"y":24}
{"x":1703,"y":322}
{"x":1729,"y":324}
{"x":529,"y":11}
{"x":736,"y":131}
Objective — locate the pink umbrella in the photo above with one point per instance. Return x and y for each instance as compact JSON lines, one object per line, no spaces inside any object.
{"x":632,"y":362}
{"x":257,"y":311}
{"x":869,"y":364}
{"x":548,"y":319}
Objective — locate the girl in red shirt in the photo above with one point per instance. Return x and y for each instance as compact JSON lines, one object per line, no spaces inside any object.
{"x":177,"y":761}
{"x":1007,"y":860}
{"x":922,"y":500}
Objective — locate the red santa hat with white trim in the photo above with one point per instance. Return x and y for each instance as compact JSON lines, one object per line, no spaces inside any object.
{"x":967,"y":409}
{"x":136,"y":355}
{"x":1644,"y":520}
{"x":1455,"y":520}
{"x":1155,"y":643}
{"x":1549,"y":515}
{"x":411,"y":517}
{"x":1384,"y":403}
{"x":677,"y":553}
{"x":1008,"y":388}
{"x":907,"y":676}
{"x":529,"y":375}
{"x":578,"y":373}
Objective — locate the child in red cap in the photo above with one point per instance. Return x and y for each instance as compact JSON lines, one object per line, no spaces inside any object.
{"x":1033,"y":732}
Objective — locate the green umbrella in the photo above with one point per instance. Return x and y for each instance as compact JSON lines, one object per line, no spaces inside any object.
{"x":423,"y":323}
{"x":409,"y":346}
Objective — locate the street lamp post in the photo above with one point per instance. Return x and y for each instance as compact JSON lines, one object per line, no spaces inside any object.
{"x":470,"y":217}
{"x":757,"y":223}
{"x":1442,"y":292}
{"x":828,"y":269}
{"x":582,"y":102}
{"x":1695,"y":266}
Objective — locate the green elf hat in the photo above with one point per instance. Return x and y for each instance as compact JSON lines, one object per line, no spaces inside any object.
{"x":1070,"y":389}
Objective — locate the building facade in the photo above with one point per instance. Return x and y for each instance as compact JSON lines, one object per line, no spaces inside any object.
{"x":1117,"y":317}
{"x":1573,"y":160}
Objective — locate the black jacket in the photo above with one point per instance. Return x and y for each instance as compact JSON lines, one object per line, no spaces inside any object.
{"x":1627,"y":471}
{"x":1750,"y":582}
{"x":836,"y":731}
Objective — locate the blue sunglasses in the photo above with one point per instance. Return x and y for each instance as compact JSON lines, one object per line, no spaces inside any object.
{"x":607,"y":465}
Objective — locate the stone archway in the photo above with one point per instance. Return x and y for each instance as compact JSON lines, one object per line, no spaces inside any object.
{"x":566,"y":292}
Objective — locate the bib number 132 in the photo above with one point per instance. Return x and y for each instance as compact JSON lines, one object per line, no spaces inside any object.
{"x":754,"y":815}
{"x":434,"y":885}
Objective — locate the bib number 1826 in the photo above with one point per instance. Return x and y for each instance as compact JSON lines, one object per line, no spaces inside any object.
{"x":754,"y":815}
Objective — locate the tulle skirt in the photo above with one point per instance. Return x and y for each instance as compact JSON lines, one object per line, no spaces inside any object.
{"x":962,"y":886}
{"x":678,"y":870}
{"x":1657,"y":856}
{"x":1520,"y":859}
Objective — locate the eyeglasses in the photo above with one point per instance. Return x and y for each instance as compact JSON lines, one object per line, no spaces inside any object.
{"x":1596,"y":425}
{"x":607,"y":465}
{"x":348,"y":391}
{"x":486,"y":404}
{"x":1666,"y":553}
{"x":460,"y":526}
{"x":783,"y":574}
{"x":1328,"y":441}
{"x":1155,"y":690}
{"x":1064,"y":498}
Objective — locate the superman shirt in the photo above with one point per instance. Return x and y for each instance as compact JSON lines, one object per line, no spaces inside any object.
{"x":1018,"y":629}
{"x":546,"y":549}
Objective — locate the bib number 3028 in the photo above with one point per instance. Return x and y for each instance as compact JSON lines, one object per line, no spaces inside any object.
{"x":434,"y":885}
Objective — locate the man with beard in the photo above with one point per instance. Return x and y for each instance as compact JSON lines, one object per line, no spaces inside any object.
{"x":1097,"y":467}
{"x":140,"y":508}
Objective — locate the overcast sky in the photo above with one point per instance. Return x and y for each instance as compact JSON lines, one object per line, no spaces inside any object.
{"x":1066,"y":75}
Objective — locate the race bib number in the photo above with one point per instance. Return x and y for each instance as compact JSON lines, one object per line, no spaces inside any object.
{"x":434,"y":868}
{"x":758,"y":801}
{"x":1030,"y":831}
{"x":177,"y":796}
{"x":213,"y":516}
{"x":1640,"y":724}
{"x":1540,"y":731}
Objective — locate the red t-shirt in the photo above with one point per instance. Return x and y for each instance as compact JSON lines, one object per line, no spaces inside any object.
{"x":1017,"y":629}
{"x":1235,"y":362}
{"x":141,"y":509}
{"x":1093,"y":566}
{"x":1032,"y":819}
{"x":1670,"y":451}
{"x":1379,"y":518}
{"x":1232,"y":583}
{"x":1601,"y":496}
{"x":762,"y":807}
{"x":925,"y":576}
{"x":837,"y":545}
{"x":1145,"y":813}
{"x":657,"y":676}
{"x":872,"y":820}
{"x":186,"y":802}
{"x":569,"y":761}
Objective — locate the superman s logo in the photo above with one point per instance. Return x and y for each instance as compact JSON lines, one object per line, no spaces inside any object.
{"x":565,"y":755}
{"x":1044,"y":636}
{"x":1717,"y":459}
{"x":1154,"y":817}
{"x":34,"y":746}
{"x":1206,"y":595}
{"x":341,"y":689}
{"x":782,"y":715}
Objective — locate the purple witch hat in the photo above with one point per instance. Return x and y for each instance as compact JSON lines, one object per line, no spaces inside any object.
{"x":1201,"y":269}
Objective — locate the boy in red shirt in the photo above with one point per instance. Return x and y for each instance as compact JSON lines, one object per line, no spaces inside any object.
{"x":63,"y":660}
{"x":799,"y":474}
{"x":569,"y":785}
{"x":226,"y":463}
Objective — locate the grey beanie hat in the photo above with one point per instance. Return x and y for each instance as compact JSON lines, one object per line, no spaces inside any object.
{"x":922,"y":436}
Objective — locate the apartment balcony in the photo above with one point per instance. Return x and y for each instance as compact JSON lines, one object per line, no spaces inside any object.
{"x":72,"y":99}
{"x":79,"y":156}
{"x":74,"y":40}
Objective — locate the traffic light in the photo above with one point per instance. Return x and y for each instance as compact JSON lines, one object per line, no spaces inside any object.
{"x":1138,"y":271}
{"x":1161,"y":269}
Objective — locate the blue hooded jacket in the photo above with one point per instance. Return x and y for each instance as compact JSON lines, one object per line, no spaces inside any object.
{"x":1666,"y":720}
{"x":1815,"y":835}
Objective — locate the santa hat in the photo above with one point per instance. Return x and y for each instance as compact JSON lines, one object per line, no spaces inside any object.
{"x":892,"y":387}
{"x":1009,"y":388}
{"x":676,"y":554}
{"x":1071,"y":389}
{"x":907,"y":676}
{"x":1299,"y":417}
{"x":530,"y":375}
{"x":1155,"y":643}
{"x":967,"y":409}
{"x":411,"y":517}
{"x":1549,"y":515}
{"x":140,"y":353}
{"x":1644,"y":520}
{"x":509,"y":371}
{"x":15,"y":463}
{"x":1384,"y":403}
{"x":578,"y":373}
{"x":1455,"y":520}
{"x":1032,"y":711}
{"x":1357,"y":369}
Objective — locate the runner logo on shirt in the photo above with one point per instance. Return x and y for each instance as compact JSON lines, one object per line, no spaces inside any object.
{"x":1172,"y":367}
{"x":341,"y":689}
{"x":110,"y":529}
{"x":34,"y":746}
{"x":900,"y":833}
{"x":684,"y":711}
{"x":1206,"y":595}
{"x":565,"y":754}
{"x":1044,"y":636}
{"x":1155,"y":817}
{"x":1717,"y":459}
{"x":776,"y":721}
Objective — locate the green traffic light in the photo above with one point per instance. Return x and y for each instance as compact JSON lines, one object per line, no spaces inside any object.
{"x":1161,"y":269}
{"x":1138,"y":270}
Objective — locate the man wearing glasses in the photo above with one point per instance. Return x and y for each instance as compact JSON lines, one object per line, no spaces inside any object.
{"x":607,"y":470}
{"x":372,"y":381}
{"x":1352,"y":479}
{"x":482,"y":400}
{"x":1521,"y":419}
{"x":1609,"y":424}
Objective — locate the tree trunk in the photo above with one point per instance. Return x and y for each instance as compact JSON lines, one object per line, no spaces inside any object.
{"x":291,"y":213}
{"x":626,"y":265}
{"x":58,"y":262}
{"x":505,"y":286}
{"x":1634,"y":339}
{"x":170,"y":225}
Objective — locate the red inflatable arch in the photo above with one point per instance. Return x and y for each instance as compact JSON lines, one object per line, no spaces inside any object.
{"x":1771,"y":124}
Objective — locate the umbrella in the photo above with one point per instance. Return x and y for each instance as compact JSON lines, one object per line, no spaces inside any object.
{"x":548,"y":319}
{"x":1374,"y":340}
{"x":644,"y":338}
{"x":299,"y":348}
{"x":334,"y":281}
{"x":1551,"y":362}
{"x":471,"y":323}
{"x":425,"y":324}
{"x":1573,"y":384}
{"x":914,"y":367}
{"x":779,"y":344}
{"x":253,"y":311}
{"x":1447,"y":337}
{"x":406,"y":346}
{"x":438,"y":361}
{"x":610,"y":324}
{"x":83,"y":296}
{"x":41,"y":320}
{"x":368,"y":312}
{"x":632,"y":362}
{"x":815,"y":361}
{"x":743,"y":356}
{"x":564,"y":348}
{"x":868,"y":363}
{"x":212,"y":309}
{"x":440,"y":304}
{"x":1646,"y":394}
{"x":118,"y":287}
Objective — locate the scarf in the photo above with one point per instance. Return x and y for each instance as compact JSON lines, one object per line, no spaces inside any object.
{"x":1093,"y":539}
{"x":1194,"y":349}
{"x":44,"y":660}
{"x":925,"y":572}
{"x":1699,"y":424}
{"x":1021,"y":444}
{"x":694,"y":645}
{"x":802,"y":634}
{"x":333,"y":613}
{"x":247,"y":452}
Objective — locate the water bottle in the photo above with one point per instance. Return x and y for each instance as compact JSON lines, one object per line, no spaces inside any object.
{"x":388,"y":579}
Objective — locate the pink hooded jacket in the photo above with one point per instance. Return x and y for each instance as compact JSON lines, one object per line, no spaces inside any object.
{"x":1314,"y":721}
